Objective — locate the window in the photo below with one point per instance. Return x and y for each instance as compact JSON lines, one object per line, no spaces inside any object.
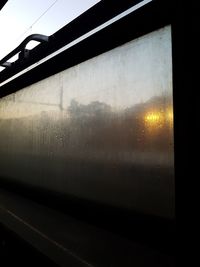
{"x":100,"y":129}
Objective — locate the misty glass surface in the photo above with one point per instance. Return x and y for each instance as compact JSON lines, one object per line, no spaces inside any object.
{"x":101,"y":130}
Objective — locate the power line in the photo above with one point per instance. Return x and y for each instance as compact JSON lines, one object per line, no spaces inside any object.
{"x":37,"y":19}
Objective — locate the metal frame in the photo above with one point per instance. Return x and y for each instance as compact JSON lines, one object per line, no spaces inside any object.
{"x":21,"y":49}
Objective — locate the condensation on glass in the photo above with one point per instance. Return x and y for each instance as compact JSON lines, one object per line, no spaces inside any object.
{"x":101,"y":130}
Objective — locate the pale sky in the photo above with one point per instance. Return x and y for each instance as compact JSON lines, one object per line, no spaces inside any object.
{"x":17,"y":16}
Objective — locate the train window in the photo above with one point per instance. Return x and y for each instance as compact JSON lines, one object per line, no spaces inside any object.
{"x":101,"y":130}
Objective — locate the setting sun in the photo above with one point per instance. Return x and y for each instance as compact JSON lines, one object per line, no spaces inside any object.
{"x":153,"y":117}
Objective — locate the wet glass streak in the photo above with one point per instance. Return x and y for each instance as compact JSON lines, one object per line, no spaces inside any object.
{"x":102,"y":130}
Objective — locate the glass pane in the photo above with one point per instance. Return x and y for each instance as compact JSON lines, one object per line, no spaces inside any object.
{"x":101,"y":130}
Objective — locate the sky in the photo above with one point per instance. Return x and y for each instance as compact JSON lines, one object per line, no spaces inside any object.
{"x":20,"y":18}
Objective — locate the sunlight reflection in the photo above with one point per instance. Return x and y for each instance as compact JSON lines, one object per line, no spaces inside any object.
{"x":154,"y":118}
{"x":159,"y":119}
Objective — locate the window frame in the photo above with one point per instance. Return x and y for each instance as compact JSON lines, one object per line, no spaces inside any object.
{"x":151,"y":17}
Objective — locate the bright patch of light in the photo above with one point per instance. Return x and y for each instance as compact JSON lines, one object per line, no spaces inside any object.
{"x":153,"y":117}
{"x":158,"y":119}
